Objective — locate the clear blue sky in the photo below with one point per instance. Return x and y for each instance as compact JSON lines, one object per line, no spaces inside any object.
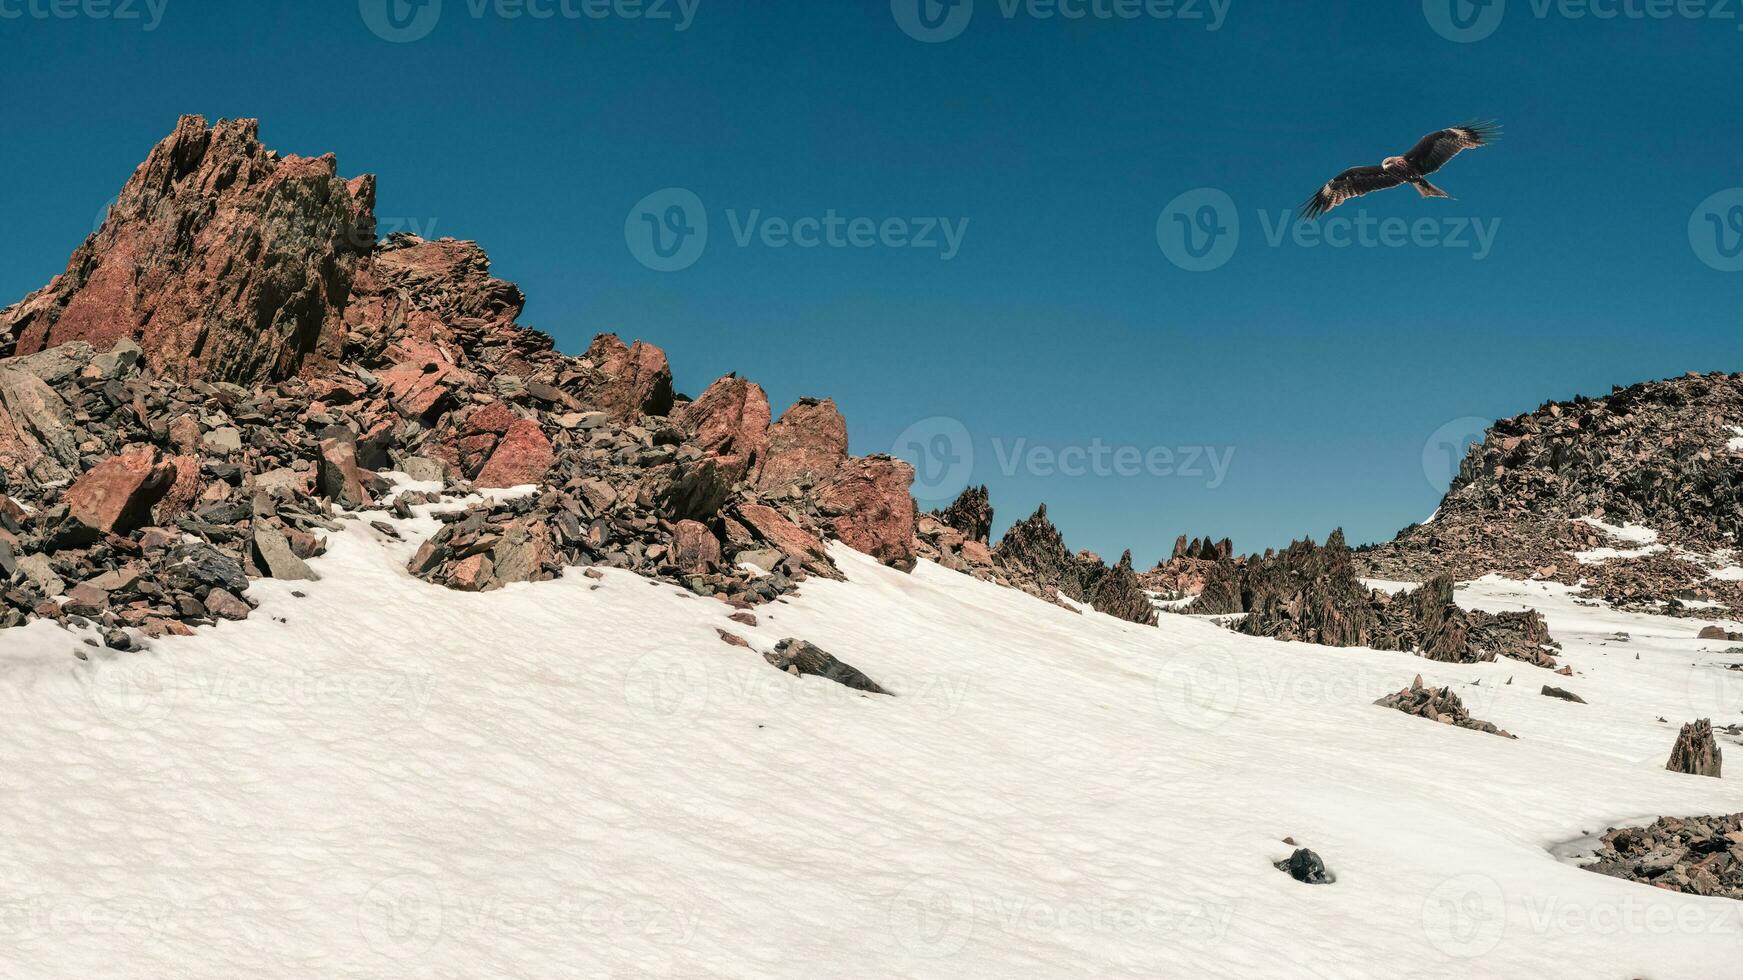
{"x":1060,"y":321}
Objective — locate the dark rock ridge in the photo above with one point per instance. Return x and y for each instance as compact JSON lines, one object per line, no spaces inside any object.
{"x":233,"y":359}
{"x":1437,"y":704}
{"x":1693,"y":855}
{"x":1310,"y":593}
{"x":1655,"y":454}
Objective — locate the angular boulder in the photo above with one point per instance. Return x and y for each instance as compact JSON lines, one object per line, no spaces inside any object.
{"x":730,"y":422}
{"x":633,"y":380}
{"x":870,"y":509}
{"x":807,"y":446}
{"x":116,"y":496}
{"x":523,"y":456}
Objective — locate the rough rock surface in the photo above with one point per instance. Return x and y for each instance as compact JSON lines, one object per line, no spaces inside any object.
{"x":1437,"y":704}
{"x":224,"y":260}
{"x":1310,"y":593}
{"x":1117,"y":592}
{"x":970,"y":515}
{"x":1695,"y":752}
{"x":798,"y":657}
{"x":1306,"y":867}
{"x":1693,"y":855}
{"x":1656,"y":455}
{"x":238,"y":361}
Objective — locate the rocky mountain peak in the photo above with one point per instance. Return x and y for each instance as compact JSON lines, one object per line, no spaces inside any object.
{"x":224,"y":260}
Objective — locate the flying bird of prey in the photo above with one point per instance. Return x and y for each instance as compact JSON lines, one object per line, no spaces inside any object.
{"x":1429,"y":154}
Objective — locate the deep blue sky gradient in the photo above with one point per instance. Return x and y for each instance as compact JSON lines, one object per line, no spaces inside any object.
{"x":1061,"y":322}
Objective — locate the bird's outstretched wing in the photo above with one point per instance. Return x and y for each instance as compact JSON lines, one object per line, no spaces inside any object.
{"x":1353,"y":182}
{"x":1433,"y":151}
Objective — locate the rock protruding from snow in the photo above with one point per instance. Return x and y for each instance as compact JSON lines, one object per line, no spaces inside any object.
{"x":1695,"y":751}
{"x":799,"y":657}
{"x":1306,"y":867}
{"x":1693,"y":855}
{"x":1117,"y":592}
{"x":1310,"y":593}
{"x":1437,"y":704}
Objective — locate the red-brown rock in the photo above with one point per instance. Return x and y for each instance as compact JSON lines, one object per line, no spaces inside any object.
{"x":871,"y":509}
{"x":731,"y":423}
{"x":523,"y":456}
{"x":116,"y":495}
{"x":225,"y":261}
{"x":634,"y":379}
{"x":807,"y":446}
{"x":340,"y":476}
{"x":694,"y":547}
{"x":790,"y":539}
{"x":183,"y":492}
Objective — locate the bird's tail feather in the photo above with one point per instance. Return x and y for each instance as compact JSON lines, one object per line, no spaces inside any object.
{"x":1427,"y":189}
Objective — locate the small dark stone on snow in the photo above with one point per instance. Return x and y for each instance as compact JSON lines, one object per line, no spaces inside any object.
{"x":1556,"y":692}
{"x":1305,"y":866}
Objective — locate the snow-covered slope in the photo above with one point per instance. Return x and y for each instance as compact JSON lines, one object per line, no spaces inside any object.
{"x":579,"y":778}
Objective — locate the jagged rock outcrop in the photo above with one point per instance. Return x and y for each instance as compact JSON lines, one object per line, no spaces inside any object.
{"x":1695,"y":751}
{"x":1437,"y":704}
{"x":284,"y":359}
{"x":1310,"y":593}
{"x":1117,"y":592}
{"x":1205,"y":571}
{"x":970,"y":515}
{"x":1657,"y":455}
{"x":224,"y":260}
{"x":1033,"y":556}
